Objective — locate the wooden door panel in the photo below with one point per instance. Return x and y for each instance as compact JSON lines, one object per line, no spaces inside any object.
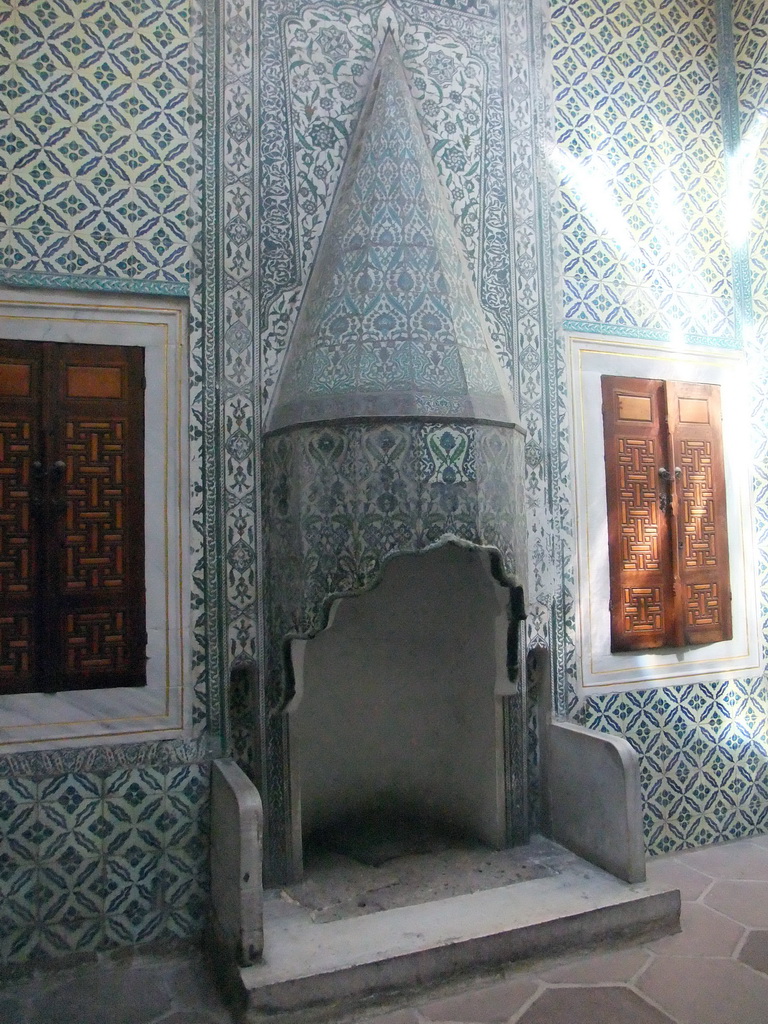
{"x":101,"y":527}
{"x":71,"y":516}
{"x":694,"y":417}
{"x":665,"y":491}
{"x":21,"y":495}
{"x":93,"y":490}
{"x":638,"y":530}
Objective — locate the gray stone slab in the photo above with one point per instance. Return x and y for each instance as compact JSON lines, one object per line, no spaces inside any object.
{"x":593,"y":791}
{"x":336,"y":967}
{"x":237,"y":827}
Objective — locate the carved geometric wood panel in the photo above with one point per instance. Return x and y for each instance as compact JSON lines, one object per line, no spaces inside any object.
{"x":96,"y":641}
{"x":702,"y":604}
{"x":20,"y":497}
{"x":638,"y":528}
{"x":643,"y":609}
{"x":696,"y":448}
{"x":637,"y":462}
{"x":71,"y":516}
{"x":667,"y":527}
{"x":15,"y":506}
{"x":697,"y":504}
{"x":94,"y":491}
{"x":16,"y":650}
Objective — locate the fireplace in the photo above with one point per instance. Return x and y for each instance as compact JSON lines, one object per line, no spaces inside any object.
{"x":393,"y":467}
{"x":400,"y":707}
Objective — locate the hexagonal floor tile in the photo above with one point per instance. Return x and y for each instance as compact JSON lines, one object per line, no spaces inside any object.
{"x":487,"y":1005}
{"x":744,"y":901}
{"x":604,"y":1005}
{"x":705,"y":933}
{"x":731,"y":860}
{"x":754,"y":952}
{"x":706,"y":990}
{"x":618,"y":967}
{"x":408,"y":1016}
{"x":665,"y":871}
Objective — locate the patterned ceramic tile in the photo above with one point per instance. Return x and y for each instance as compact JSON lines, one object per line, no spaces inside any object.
{"x":640,"y":158}
{"x":98,"y":162}
{"x":703,"y":758}
{"x":70,"y":935}
{"x":91,"y":859}
{"x":750,"y":23}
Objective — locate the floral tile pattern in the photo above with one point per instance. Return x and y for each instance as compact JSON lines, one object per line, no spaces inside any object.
{"x":314,"y":74}
{"x":639,"y":154}
{"x":97,"y":156}
{"x":391,"y":324}
{"x":90,"y":860}
{"x":703,"y":758}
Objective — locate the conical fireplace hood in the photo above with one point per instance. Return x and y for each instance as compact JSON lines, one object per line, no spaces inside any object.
{"x":391,"y":325}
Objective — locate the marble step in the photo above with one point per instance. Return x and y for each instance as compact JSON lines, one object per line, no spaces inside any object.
{"x":336,"y":970}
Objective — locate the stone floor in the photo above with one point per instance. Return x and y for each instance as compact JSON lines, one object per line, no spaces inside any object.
{"x":714,"y":972}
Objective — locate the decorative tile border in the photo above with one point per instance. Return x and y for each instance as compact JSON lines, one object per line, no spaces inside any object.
{"x":730,"y":341}
{"x":240,"y":362}
{"x":133,"y":286}
{"x":50,"y":763}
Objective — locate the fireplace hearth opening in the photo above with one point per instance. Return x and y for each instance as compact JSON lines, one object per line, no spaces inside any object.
{"x":399,"y":727}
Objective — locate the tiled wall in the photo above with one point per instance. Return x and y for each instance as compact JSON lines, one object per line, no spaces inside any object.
{"x":108,"y":846}
{"x":639,"y":155}
{"x":645,"y":216}
{"x":111,"y":200}
{"x":97,"y":154}
{"x":99,"y":859}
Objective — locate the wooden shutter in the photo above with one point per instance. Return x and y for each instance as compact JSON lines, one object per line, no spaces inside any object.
{"x":85,"y":533}
{"x":665,"y":490}
{"x":699,"y":512}
{"x":21,"y":497}
{"x":638,"y":529}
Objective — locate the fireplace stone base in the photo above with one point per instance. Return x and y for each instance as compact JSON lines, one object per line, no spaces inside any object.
{"x":335,"y":971}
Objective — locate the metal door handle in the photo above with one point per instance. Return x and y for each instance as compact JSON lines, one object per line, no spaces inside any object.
{"x":665,"y":501}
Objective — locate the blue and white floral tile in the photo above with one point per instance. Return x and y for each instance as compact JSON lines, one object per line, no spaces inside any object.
{"x":639,"y":155}
{"x":703,"y":758}
{"x":89,"y":860}
{"x":97,"y":161}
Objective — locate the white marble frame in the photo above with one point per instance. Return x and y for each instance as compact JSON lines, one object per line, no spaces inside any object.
{"x":155,"y":711}
{"x":599,"y":669}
